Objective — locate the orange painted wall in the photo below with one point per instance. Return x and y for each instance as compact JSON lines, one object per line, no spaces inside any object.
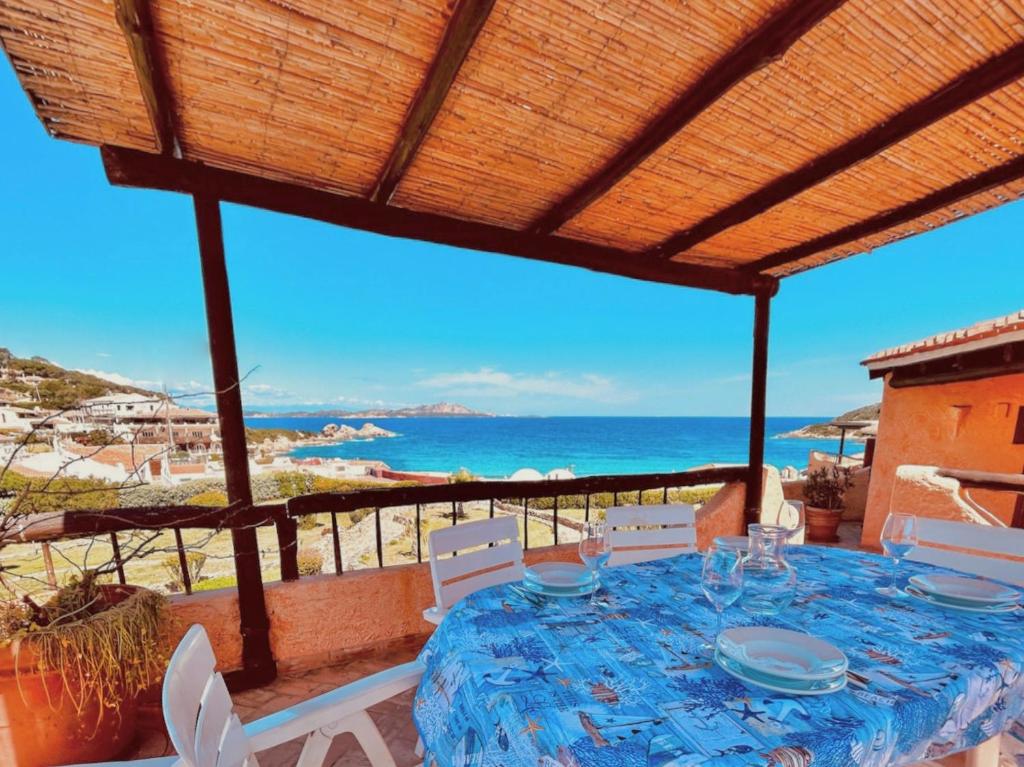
{"x":960,"y":425}
{"x":323,"y":619}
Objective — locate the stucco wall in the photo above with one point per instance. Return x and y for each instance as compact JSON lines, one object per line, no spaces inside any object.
{"x":962,"y":425}
{"x":323,"y":619}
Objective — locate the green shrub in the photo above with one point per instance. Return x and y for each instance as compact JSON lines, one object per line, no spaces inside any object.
{"x":194,"y":560}
{"x":694,"y":495}
{"x":219,"y":582}
{"x":213,"y":498}
{"x":311,"y":562}
{"x":40,"y":495}
{"x":307,"y":522}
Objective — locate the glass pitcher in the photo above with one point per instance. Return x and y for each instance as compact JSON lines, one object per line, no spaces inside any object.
{"x":769,"y":581}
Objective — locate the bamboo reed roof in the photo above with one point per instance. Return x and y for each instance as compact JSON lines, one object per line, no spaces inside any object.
{"x":760,"y":136}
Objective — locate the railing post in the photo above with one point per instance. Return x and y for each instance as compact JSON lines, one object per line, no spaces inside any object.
{"x":257,"y":660}
{"x":288,"y":544}
{"x":336,"y":542}
{"x":186,"y":577}
{"x":380,"y":539}
{"x":419,"y":535}
{"x":526,"y":523}
{"x":758,"y":394}
{"x":118,"y":563}
{"x":555,"y":521}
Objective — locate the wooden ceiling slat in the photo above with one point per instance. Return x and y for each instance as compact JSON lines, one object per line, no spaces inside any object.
{"x":1003,"y":174}
{"x":766,"y":44}
{"x":136,"y":21}
{"x":995,"y":73}
{"x":126,"y":167}
{"x":467,"y":20}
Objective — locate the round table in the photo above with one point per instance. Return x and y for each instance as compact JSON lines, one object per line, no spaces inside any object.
{"x":516,"y":680}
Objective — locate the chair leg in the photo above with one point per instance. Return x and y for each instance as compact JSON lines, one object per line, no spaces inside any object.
{"x":314,"y":750}
{"x":985,"y":755}
{"x":372,"y":742}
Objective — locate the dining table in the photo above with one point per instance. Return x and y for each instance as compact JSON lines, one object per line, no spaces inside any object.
{"x":514,"y":679}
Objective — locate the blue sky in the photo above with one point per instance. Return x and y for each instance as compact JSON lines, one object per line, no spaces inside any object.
{"x":105,"y":279}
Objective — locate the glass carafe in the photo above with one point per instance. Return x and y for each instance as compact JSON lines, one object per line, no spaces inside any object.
{"x":769,"y":581}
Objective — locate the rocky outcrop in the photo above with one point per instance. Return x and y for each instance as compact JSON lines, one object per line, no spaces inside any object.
{"x":344,"y":432}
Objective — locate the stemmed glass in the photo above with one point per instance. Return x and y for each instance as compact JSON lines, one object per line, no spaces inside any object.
{"x":721,"y":578}
{"x":899,"y":536}
{"x":594,"y":551}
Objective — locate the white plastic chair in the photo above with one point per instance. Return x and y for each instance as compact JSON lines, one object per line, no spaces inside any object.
{"x":206,"y":732}
{"x":668,"y":530}
{"x":969,"y":548}
{"x":457,"y":576}
{"x":789,"y":515}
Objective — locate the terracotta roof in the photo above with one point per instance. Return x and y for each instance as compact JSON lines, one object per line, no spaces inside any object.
{"x":129,"y":456}
{"x":980,"y":334}
{"x":751,"y":137}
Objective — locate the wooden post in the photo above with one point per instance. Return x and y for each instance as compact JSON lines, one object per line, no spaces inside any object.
{"x":758,"y":391}
{"x":51,"y":573}
{"x":258,"y":662}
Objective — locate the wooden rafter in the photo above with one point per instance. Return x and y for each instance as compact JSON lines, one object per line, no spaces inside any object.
{"x":136,"y":22}
{"x":127,"y":167}
{"x":764,"y":45}
{"x":997,"y":72}
{"x":937,"y":200}
{"x":467,"y":20}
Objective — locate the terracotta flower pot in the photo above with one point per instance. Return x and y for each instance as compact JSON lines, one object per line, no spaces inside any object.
{"x":823,"y":524}
{"x":41,"y":727}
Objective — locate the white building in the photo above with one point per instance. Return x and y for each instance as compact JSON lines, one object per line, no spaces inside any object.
{"x":122,"y":406}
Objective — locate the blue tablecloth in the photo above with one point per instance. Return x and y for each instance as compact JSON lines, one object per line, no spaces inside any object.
{"x":511,"y":683}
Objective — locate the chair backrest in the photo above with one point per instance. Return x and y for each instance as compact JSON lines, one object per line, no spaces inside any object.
{"x":790,"y":515}
{"x":456,"y":576}
{"x":198,"y":710}
{"x":643,"y":533}
{"x":974,"y":549}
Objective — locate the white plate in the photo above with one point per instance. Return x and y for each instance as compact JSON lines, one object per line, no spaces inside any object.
{"x":782,"y":653}
{"x":547,"y":591}
{"x":934,"y":600}
{"x":789,"y":687}
{"x":977,"y":591}
{"x":559,"y":575}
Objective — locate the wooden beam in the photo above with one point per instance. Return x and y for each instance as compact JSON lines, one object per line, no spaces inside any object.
{"x":126,"y":167}
{"x":997,"y":72}
{"x":136,"y":22}
{"x":764,"y":45}
{"x":257,"y":660}
{"x":467,"y":20}
{"x":758,"y":399}
{"x":937,"y":200}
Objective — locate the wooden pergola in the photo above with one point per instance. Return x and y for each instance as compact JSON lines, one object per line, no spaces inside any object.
{"x":714,"y":144}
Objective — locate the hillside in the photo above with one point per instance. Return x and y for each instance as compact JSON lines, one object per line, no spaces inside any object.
{"x":437,"y":410}
{"x":827,"y":431}
{"x":58,"y":389}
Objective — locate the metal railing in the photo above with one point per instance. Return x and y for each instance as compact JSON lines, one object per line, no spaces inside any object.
{"x":500,"y":495}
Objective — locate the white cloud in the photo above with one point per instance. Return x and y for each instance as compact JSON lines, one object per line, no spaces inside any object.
{"x":120,"y":380}
{"x":103,"y":354}
{"x":496,"y":383}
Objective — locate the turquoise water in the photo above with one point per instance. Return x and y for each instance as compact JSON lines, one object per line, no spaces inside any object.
{"x":496,"y":447}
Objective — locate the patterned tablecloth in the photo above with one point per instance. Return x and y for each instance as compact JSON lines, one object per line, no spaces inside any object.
{"x":512,"y":683}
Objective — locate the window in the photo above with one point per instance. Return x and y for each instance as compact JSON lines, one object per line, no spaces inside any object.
{"x":1018,"y":433}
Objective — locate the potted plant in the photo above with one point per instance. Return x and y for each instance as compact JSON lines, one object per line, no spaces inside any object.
{"x":72,"y":669}
{"x":824,"y":493}
{"x":74,"y":655}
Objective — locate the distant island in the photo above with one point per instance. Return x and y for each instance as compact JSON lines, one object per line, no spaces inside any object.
{"x":827,"y":431}
{"x":437,"y":410}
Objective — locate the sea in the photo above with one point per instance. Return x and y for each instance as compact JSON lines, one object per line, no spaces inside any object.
{"x":497,"y":447}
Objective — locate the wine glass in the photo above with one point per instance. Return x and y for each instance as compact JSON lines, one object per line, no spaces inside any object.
{"x":721,"y":579}
{"x":899,"y":536}
{"x":594,"y":551}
